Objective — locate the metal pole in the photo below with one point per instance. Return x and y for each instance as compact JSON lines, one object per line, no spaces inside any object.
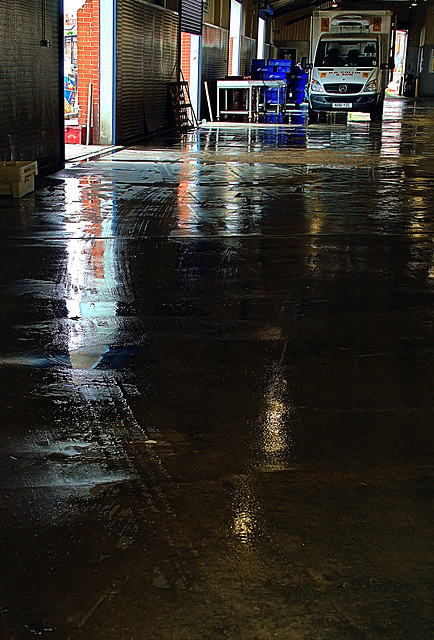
{"x":208,"y":101}
{"x":89,"y":112}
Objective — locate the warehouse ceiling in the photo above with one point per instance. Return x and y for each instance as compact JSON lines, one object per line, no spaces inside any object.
{"x":284,"y":7}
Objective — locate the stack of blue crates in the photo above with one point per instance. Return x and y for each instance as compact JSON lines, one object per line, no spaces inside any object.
{"x":275,"y":69}
{"x":271,"y":69}
{"x":298,"y":84}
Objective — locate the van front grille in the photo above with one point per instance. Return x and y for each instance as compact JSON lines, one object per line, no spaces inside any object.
{"x":343,"y":87}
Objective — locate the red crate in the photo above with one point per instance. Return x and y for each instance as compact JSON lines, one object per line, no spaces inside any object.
{"x":73,"y":134}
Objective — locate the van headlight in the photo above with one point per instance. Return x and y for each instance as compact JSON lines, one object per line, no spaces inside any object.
{"x":316,"y":86}
{"x":371,"y":86}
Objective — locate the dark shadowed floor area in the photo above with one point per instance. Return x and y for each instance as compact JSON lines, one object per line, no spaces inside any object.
{"x":216,"y":373}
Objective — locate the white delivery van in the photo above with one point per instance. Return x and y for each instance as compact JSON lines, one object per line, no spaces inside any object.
{"x":351,"y":59}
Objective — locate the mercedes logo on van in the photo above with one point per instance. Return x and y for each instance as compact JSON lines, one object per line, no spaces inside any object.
{"x":343,"y":88}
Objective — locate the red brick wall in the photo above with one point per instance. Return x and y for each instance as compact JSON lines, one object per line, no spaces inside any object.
{"x":88,"y":63}
{"x":231,"y":48}
{"x":185,"y":55}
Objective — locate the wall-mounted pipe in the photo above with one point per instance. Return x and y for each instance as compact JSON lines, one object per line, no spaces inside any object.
{"x":89,"y":112}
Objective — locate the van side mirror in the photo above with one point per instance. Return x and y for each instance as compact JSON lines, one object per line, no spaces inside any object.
{"x":306,"y":65}
{"x":388,"y":65}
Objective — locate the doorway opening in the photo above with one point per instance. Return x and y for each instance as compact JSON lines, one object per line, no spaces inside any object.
{"x":261,"y":39}
{"x":81,"y":71}
{"x":234,"y":39}
{"x":396,"y":85}
{"x":190,"y":67}
{"x":289,"y":54}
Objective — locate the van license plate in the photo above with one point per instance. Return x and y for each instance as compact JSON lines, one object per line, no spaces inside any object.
{"x":341,"y":105}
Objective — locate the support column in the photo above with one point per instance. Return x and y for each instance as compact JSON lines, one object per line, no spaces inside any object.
{"x":107,"y":71}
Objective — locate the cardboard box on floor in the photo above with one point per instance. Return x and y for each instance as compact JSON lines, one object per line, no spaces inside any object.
{"x":17,"y":178}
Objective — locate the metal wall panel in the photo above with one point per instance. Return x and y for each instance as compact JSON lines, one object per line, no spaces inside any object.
{"x":215,"y":44}
{"x":297,"y":32}
{"x":146,"y":61}
{"x":247,"y":54}
{"x":215,"y":47}
{"x":31,"y":83}
{"x":429,"y":17}
{"x":191,"y":16}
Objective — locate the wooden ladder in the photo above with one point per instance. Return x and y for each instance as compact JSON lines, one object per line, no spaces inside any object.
{"x":183,"y":111}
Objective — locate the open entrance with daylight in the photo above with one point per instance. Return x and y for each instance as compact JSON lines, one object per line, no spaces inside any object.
{"x":81,"y":71}
{"x":261,"y":39}
{"x":190,"y":66}
{"x":234,"y":38}
{"x":396,"y":84}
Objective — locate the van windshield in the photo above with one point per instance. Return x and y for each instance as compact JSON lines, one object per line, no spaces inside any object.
{"x":347,"y":53}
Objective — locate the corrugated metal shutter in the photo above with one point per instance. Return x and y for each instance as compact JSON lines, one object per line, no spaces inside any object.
{"x":215,"y":43}
{"x":297,"y":32}
{"x":146,"y":61}
{"x":429,"y":17}
{"x":31,"y":111}
{"x":247,"y":54}
{"x":191,"y":16}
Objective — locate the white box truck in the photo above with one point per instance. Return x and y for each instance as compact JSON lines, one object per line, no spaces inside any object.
{"x":351,"y":58}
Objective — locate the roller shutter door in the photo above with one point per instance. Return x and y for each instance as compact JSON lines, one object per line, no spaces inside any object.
{"x":191,"y":16}
{"x":146,"y":58}
{"x":247,"y":54}
{"x":215,"y":42}
{"x":31,"y":87}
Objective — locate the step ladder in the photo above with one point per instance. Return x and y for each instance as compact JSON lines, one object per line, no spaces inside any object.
{"x":183,"y":111}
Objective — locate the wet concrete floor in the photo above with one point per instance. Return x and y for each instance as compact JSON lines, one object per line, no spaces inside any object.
{"x":216,"y":362}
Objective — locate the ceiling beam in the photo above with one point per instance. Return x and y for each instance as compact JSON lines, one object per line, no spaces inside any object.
{"x":283,"y":7}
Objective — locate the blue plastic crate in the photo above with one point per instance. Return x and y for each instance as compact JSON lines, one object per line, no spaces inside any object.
{"x":280,"y":62}
{"x":259,"y":62}
{"x":271,"y":95}
{"x":262,"y":66}
{"x":299,"y":74}
{"x":297,"y":97}
{"x":275,"y":75}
